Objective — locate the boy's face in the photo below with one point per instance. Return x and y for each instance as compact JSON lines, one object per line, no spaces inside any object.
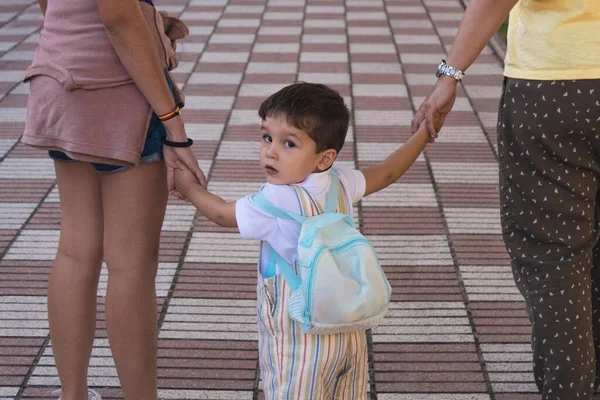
{"x":288,"y":155}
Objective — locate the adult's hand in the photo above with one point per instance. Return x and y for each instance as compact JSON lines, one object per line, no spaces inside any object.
{"x":436,"y":107}
{"x":185,"y":156}
{"x":175,"y":156}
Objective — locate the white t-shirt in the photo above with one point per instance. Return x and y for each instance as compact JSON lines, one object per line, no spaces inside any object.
{"x":282,"y":234}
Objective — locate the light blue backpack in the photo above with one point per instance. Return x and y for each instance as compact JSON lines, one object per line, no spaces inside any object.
{"x":337,"y":282}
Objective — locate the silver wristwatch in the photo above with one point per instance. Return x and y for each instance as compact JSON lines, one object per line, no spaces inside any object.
{"x":445,"y":69}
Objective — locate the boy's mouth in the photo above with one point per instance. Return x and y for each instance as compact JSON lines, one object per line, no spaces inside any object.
{"x":270,"y":170}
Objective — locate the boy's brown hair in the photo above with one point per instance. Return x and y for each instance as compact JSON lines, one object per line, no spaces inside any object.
{"x":313,"y":108}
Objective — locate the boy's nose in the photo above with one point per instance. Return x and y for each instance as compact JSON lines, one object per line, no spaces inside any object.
{"x":272,"y":152}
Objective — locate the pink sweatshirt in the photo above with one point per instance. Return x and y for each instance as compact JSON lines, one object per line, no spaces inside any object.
{"x":81,"y":99}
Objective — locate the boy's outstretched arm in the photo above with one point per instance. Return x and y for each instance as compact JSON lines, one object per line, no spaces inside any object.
{"x":382,"y":175}
{"x":213,"y":207}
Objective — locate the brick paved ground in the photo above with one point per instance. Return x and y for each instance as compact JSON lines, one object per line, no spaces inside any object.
{"x":457,"y":328}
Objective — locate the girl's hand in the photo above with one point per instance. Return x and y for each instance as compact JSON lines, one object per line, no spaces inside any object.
{"x":183,"y":155}
{"x":185,"y":180}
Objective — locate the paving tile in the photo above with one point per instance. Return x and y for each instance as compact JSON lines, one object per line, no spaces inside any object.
{"x":212,"y":280}
{"x":479,"y":249}
{"x":27,"y":168}
{"x":224,"y":78}
{"x":386,"y":219}
{"x":248,"y":89}
{"x":270,"y":68}
{"x":409,"y":323}
{"x":461,"y":172}
{"x":24,"y":278}
{"x":501,"y":321}
{"x":102,"y":371}
{"x":5,"y":146}
{"x":489,"y":283}
{"x":379,"y":90}
{"x":210,"y":319}
{"x":473,"y":220}
{"x":509,"y":367}
{"x":376,"y":68}
{"x":231,"y":190}
{"x":34,"y":245}
{"x":374,"y":151}
{"x":23,"y":316}
{"x":13,"y":114}
{"x":204,"y":394}
{"x":432,"y":396}
{"x":221,"y":247}
{"x":14,"y":215}
{"x":460,"y":194}
{"x":403,"y":195}
{"x":6,"y":236}
{"x":466,"y":152}
{"x":412,"y":250}
{"x":16,"y":356}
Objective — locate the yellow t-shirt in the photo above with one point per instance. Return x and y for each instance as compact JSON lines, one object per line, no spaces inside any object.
{"x":554,"y":39}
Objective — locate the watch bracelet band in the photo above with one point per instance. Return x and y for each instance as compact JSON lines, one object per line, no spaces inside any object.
{"x":445,"y":69}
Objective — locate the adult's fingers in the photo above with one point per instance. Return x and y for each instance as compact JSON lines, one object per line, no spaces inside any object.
{"x":416,"y":121}
{"x":192,"y":164}
{"x":170,"y":178}
{"x":200,"y":176}
{"x":429,"y":123}
{"x":178,"y":194}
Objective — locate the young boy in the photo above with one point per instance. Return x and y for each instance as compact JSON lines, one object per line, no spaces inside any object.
{"x":303,"y":129}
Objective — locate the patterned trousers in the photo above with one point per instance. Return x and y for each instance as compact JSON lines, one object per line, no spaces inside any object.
{"x":296,"y":366}
{"x":549,"y":151}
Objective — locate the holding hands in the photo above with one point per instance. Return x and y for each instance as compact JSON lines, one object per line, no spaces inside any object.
{"x":436,"y":107}
{"x":186,"y":181}
{"x":180,"y":158}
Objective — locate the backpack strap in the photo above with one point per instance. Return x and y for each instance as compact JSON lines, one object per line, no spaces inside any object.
{"x":333,"y":194}
{"x":261,"y":202}
{"x":285,"y":269}
{"x":274,"y":259}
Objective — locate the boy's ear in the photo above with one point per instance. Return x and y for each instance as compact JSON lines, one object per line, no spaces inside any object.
{"x":327,"y":158}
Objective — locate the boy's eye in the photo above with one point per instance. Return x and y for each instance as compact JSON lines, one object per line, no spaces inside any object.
{"x":289,"y":143}
{"x":267,"y":138}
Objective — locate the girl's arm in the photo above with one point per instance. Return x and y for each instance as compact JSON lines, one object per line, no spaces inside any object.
{"x":43,"y":5}
{"x":132,"y":39}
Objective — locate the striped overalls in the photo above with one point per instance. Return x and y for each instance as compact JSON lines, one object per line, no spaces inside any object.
{"x":308,"y":367}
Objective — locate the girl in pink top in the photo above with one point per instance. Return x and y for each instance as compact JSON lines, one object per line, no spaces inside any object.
{"x":97,"y":81}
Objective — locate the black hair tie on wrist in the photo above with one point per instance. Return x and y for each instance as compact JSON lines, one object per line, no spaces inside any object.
{"x":178,"y":144}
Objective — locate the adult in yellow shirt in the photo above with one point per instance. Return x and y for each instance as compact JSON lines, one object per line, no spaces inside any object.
{"x":549,"y":153}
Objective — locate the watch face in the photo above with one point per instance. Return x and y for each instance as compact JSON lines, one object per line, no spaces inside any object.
{"x":439,"y":70}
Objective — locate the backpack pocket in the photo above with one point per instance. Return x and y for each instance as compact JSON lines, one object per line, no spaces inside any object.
{"x":343,"y":288}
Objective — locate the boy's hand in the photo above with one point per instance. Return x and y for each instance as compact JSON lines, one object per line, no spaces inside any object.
{"x":185,"y":180}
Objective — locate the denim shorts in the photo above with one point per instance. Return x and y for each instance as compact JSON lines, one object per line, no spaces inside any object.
{"x":152,"y":151}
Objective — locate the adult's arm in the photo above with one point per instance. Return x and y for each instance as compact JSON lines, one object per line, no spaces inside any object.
{"x":43,"y":5}
{"x":481,"y":20}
